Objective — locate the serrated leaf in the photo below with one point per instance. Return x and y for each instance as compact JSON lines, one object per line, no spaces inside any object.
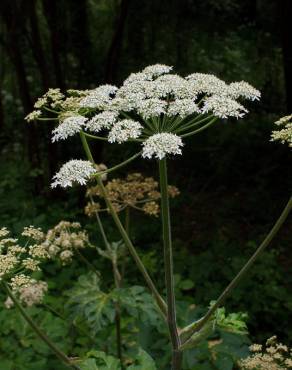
{"x":87,"y":302}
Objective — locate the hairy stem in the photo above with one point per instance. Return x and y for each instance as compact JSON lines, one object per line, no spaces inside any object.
{"x":37,"y":330}
{"x":125,"y":237}
{"x":192,"y":328}
{"x":168,"y":266}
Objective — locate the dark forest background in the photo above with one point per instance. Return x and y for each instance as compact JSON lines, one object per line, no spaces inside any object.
{"x":234,"y":181}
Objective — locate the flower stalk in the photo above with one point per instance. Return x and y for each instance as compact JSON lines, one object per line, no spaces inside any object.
{"x":168,"y":267}
{"x":187,"y":332}
{"x":160,"y":302}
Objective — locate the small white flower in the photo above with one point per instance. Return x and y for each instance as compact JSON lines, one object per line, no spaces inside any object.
{"x":244,"y":89}
{"x":182,"y":108}
{"x":102,"y":120}
{"x":68,"y":127}
{"x":177,"y":86}
{"x":124,"y":130}
{"x":74,"y":171}
{"x":159,"y":145}
{"x":151,"y":107}
{"x":33,"y":115}
{"x":284,"y":135}
{"x":223,"y":107}
{"x":203,"y":83}
{"x":157,"y":70}
{"x":99,"y":97}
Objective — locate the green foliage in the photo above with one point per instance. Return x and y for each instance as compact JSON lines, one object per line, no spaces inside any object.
{"x":233,"y":322}
{"x":20,"y":348}
{"x":86,"y":302}
{"x":99,"y":361}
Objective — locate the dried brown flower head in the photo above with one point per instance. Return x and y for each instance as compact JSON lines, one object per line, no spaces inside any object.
{"x":135,"y":191}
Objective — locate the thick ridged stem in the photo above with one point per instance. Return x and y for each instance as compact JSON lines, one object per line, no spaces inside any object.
{"x":168,"y":267}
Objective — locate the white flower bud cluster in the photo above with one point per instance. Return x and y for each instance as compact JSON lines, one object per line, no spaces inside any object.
{"x":159,"y":145}
{"x":74,"y":171}
{"x":32,"y":232}
{"x":284,"y":135}
{"x":54,"y":96}
{"x":34,"y":115}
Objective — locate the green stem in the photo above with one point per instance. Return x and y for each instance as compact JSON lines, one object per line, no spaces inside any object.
{"x":47,"y":119}
{"x":168,"y":266}
{"x":200,"y":129}
{"x":125,"y":237}
{"x":94,"y":136}
{"x":188,"y":331}
{"x":37,"y":330}
{"x":120,"y":165}
{"x":117,"y":279}
{"x":191,"y":124}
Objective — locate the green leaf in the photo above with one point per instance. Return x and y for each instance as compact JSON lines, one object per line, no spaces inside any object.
{"x":101,"y":361}
{"x":223,"y":362}
{"x":88,"y":303}
{"x":143,"y":361}
{"x":88,"y":364}
{"x":138,"y":304}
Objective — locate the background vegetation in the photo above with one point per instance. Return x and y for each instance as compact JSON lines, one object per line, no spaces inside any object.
{"x":234,"y":182}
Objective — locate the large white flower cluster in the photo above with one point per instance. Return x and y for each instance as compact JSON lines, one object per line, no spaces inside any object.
{"x":155,"y":92}
{"x":153,"y":107}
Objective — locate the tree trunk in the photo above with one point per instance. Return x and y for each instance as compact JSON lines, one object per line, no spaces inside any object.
{"x":117,"y":41}
{"x":286,"y":35}
{"x":51,"y":14}
{"x":37,"y":47}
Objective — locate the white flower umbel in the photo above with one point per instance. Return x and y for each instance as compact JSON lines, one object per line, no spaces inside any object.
{"x":99,"y":97}
{"x":243,"y":89}
{"x":101,"y":121}
{"x":157,"y":70}
{"x":34,"y":115}
{"x":285,"y":134}
{"x":74,"y":171}
{"x":203,"y":83}
{"x":151,"y":107}
{"x":223,"y":107}
{"x":182,"y":108}
{"x":159,"y":145}
{"x":124,"y":130}
{"x":68,"y":127}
